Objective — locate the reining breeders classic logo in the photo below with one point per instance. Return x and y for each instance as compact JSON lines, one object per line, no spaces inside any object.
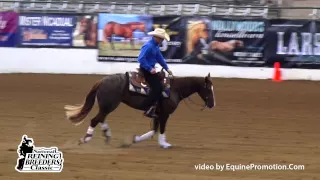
{"x":38,"y":159}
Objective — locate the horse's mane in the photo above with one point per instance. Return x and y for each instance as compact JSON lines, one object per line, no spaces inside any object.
{"x":177,"y":81}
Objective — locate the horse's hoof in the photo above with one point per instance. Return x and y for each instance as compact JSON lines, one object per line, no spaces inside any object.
{"x":81,"y":141}
{"x":125,"y":145}
{"x":165,"y":146}
{"x":108,"y":139}
{"x":134,"y":139}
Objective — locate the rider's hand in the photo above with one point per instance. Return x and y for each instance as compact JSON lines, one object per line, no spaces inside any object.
{"x":170,"y":72}
{"x":153,"y":71}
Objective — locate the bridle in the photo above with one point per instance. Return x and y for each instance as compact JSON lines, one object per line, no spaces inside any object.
{"x":203,"y":107}
{"x":206,"y":100}
{"x":206,"y":97}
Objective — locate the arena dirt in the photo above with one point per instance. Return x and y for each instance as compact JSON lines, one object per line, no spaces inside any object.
{"x":255,"y":121}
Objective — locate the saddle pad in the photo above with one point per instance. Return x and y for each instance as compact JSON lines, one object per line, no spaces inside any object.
{"x":145,"y":90}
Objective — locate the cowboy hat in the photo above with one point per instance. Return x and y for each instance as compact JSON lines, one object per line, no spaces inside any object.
{"x":161,"y":33}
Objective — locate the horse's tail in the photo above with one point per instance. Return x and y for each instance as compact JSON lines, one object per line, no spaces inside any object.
{"x":76,"y":114}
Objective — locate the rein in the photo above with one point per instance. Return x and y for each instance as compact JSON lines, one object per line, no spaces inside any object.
{"x":203,"y":107}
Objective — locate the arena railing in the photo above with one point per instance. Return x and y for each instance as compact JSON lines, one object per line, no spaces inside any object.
{"x":159,"y":9}
{"x":128,"y":8}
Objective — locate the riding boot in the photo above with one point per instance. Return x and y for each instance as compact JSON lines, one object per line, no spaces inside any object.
{"x":151,"y":112}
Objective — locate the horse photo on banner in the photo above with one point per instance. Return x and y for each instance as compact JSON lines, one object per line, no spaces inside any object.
{"x":121,"y":36}
{"x":238,"y":41}
{"x":197,"y":39}
{"x":223,"y":42}
{"x":85,"y":31}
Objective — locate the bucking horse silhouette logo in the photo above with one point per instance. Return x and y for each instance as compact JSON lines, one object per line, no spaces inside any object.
{"x":38,"y":159}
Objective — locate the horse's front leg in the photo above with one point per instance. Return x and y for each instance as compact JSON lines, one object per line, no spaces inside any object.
{"x":162,"y":137}
{"x":162,"y":121}
{"x":149,"y":134}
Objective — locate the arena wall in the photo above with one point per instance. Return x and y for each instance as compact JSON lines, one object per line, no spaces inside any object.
{"x":84,"y":61}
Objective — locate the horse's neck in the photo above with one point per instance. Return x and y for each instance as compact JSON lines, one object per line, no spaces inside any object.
{"x":186,"y":86}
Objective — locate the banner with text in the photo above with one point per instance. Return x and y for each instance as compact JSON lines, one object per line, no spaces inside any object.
{"x":8,"y":28}
{"x":223,"y":41}
{"x":121,"y":36}
{"x":46,"y":30}
{"x":197,"y":37}
{"x":293,"y":43}
{"x":173,"y":50}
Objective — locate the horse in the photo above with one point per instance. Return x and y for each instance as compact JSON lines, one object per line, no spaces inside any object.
{"x":131,"y":89}
{"x":123,"y":30}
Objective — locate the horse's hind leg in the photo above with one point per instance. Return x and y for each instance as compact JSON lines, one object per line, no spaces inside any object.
{"x":100,"y":118}
{"x":94,"y":122}
{"x":106,"y":131}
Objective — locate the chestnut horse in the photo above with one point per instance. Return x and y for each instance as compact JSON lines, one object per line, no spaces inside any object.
{"x":123,"y":30}
{"x":116,"y":88}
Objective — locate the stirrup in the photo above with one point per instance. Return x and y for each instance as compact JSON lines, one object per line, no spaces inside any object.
{"x":150,"y":115}
{"x":150,"y":112}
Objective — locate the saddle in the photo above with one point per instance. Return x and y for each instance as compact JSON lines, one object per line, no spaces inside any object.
{"x":137,"y":79}
{"x":138,"y":84}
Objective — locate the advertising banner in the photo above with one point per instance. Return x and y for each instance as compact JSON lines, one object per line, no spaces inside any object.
{"x":293,"y":43}
{"x":8,"y":28}
{"x":174,"y":50}
{"x":222,"y":41}
{"x":121,"y":36}
{"x":85,"y":31}
{"x":197,"y":40}
{"x":46,"y":30}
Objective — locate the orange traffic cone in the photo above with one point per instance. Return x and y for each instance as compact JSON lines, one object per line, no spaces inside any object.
{"x":277,"y":73}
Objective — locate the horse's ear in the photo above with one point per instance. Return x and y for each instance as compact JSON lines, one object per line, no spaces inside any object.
{"x":208,"y":75}
{"x":206,"y":79}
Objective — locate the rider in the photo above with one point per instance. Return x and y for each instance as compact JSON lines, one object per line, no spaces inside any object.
{"x":150,"y":55}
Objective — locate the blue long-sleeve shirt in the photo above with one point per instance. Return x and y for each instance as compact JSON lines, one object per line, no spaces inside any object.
{"x":150,"y":55}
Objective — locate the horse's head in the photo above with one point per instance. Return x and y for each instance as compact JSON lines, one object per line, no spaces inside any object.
{"x":196,"y":31}
{"x":199,"y":30}
{"x":84,"y":25}
{"x":206,"y":92}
